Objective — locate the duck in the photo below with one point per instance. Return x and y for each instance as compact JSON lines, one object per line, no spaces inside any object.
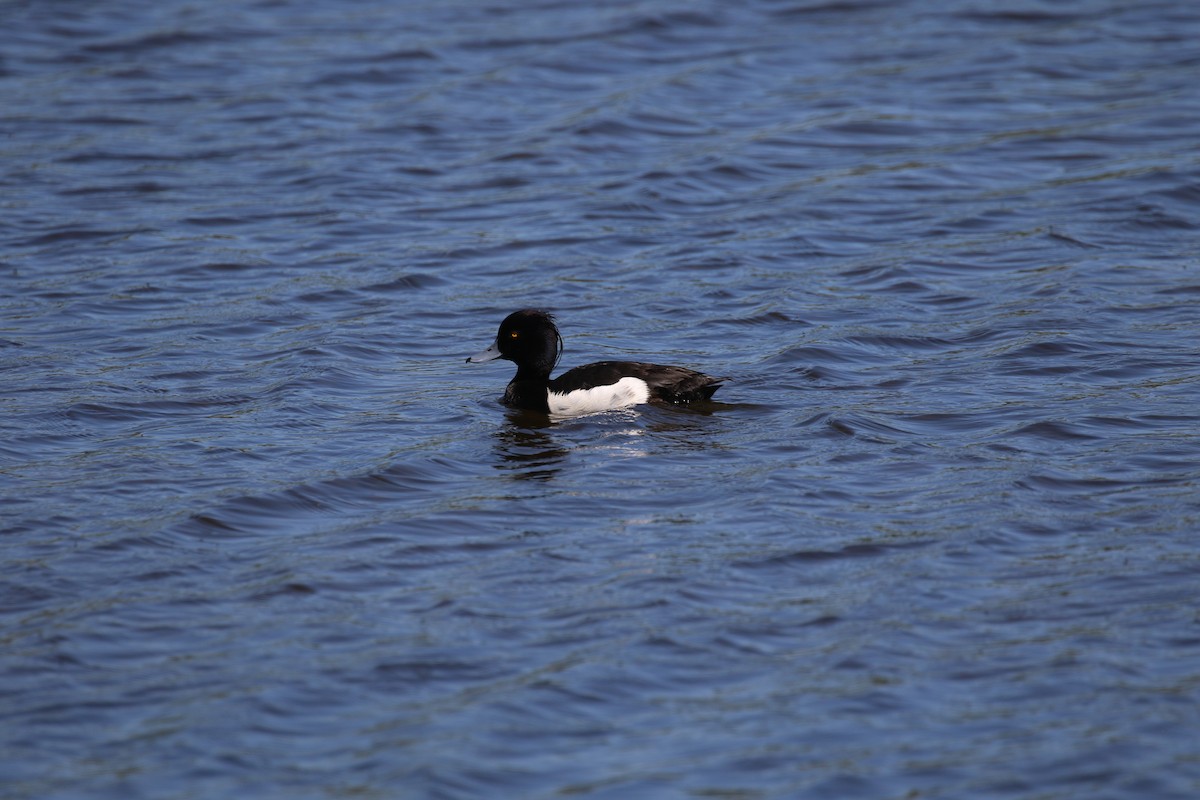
{"x":530,"y":338}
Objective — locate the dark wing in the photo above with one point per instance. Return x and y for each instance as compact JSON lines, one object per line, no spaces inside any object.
{"x":673,"y":384}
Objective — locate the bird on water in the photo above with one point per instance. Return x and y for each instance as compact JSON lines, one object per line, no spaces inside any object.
{"x":530,"y":339}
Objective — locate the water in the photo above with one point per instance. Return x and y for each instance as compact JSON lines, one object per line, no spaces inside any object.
{"x":266,"y":535}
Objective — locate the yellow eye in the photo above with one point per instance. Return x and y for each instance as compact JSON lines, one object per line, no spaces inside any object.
{"x":514,"y":335}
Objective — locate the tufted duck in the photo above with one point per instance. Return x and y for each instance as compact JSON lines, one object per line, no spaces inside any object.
{"x":531,"y":340}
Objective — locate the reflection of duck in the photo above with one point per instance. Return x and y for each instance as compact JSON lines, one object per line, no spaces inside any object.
{"x":531,"y":340}
{"x":531,"y":454}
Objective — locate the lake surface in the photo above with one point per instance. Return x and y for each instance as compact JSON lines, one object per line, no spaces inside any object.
{"x":266,"y":535}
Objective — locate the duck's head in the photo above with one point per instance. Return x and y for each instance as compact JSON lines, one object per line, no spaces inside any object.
{"x":529,"y":337}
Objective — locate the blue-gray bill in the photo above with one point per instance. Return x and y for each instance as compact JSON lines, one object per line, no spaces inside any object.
{"x":491,"y":354}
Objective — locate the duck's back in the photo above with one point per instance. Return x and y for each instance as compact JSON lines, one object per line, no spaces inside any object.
{"x":672,"y":384}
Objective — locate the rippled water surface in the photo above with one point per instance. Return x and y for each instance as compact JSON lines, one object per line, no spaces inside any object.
{"x":266,"y":535}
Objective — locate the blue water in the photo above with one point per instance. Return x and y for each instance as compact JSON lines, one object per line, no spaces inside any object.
{"x":266,"y":535}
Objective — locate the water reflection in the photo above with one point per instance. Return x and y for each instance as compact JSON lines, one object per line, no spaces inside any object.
{"x":525,"y":449}
{"x":533,"y":446}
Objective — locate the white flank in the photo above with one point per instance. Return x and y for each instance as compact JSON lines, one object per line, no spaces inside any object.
{"x":622,"y":394}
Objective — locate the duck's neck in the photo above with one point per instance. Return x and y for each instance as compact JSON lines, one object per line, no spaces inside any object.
{"x":539,"y":372}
